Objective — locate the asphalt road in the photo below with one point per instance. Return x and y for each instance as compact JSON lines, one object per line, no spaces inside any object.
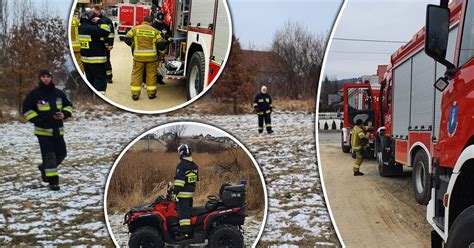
{"x":370,"y":211}
{"x":172,"y":94}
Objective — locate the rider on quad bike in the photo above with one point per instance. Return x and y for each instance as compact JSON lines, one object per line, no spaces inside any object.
{"x":219,"y":221}
{"x":187,"y":175}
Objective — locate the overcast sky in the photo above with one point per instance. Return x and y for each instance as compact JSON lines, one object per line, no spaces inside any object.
{"x":61,"y":8}
{"x":193,"y":129}
{"x":381,"y":20}
{"x":255,"y":21}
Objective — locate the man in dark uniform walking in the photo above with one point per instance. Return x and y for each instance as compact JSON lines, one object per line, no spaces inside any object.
{"x":263,"y":106}
{"x":47,"y":107}
{"x":105,"y":22}
{"x":187,"y":175}
{"x":93,"y":50}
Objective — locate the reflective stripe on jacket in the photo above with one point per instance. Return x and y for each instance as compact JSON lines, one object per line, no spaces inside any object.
{"x":144,"y":39}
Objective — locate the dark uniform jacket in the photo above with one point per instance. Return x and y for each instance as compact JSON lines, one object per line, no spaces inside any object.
{"x":187,"y":174}
{"x":41,"y":104}
{"x":92,"y":40}
{"x":104,"y":23}
{"x":263,"y":104}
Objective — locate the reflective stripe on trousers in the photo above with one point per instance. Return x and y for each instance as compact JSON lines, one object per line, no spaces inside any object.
{"x":183,"y":194}
{"x":185,"y":222}
{"x":94,"y":60}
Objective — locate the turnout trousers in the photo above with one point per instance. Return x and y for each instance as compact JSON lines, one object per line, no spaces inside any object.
{"x":264,"y":119}
{"x":359,"y":158}
{"x":108,"y":68}
{"x":184,"y":206}
{"x":53,"y":152}
{"x":151,"y":70}
{"x":96,"y":75}
{"x":77,"y":55}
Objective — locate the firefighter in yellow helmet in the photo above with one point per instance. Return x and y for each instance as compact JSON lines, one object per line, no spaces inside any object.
{"x":359,"y":142}
{"x":76,"y":44}
{"x":143,"y":39}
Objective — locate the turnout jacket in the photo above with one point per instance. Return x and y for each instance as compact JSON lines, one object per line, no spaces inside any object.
{"x":107,"y":24}
{"x":187,"y":174}
{"x":263,"y":104}
{"x":359,"y":137}
{"x":41,"y":104}
{"x":92,"y":38}
{"x":143,"y":39}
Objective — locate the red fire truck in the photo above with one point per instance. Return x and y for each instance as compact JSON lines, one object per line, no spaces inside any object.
{"x":200,"y":42}
{"x":361,"y":101}
{"x":130,"y":15}
{"x":431,"y":128}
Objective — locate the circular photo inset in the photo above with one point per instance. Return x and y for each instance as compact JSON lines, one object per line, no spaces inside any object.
{"x":150,"y":58}
{"x":185,"y":183}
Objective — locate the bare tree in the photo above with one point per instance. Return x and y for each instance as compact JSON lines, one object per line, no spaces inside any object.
{"x":33,"y":42}
{"x":237,"y":80}
{"x":302,"y":51}
{"x":176,"y":132}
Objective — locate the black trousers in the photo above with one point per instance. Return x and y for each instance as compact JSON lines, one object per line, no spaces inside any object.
{"x":264,"y":119}
{"x":184,"y":206}
{"x":108,"y":68}
{"x":53,"y":152}
{"x":96,"y":75}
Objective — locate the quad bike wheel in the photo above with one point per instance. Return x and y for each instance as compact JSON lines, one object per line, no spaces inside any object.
{"x":345,"y":149}
{"x":146,"y":237}
{"x":226,"y":236}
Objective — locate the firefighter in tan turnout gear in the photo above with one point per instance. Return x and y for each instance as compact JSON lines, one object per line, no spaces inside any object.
{"x":143,"y":40}
{"x":76,"y":44}
{"x":187,"y":175}
{"x":47,"y":107}
{"x":359,"y":142}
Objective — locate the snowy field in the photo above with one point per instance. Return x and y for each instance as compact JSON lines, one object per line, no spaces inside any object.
{"x":30,"y":214}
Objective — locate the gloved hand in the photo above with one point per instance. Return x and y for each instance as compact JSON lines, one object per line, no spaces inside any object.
{"x":173,"y":197}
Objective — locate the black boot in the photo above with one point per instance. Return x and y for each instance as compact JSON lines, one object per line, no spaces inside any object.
{"x":135,"y":98}
{"x":43,"y":175}
{"x":54,"y":187}
{"x":151,"y":97}
{"x":358,"y":173}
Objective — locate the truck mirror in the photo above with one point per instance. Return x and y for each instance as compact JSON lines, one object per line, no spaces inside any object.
{"x":437,"y":33}
{"x":441,"y":84}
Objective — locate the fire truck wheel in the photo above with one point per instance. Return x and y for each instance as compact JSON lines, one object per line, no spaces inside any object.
{"x":195,"y":74}
{"x":460,"y":234}
{"x":345,"y":149}
{"x":421,"y":178}
{"x":226,"y":236}
{"x":146,"y":237}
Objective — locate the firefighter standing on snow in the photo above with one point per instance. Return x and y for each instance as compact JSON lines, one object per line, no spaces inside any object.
{"x":93,"y":50}
{"x":187,"y":175}
{"x":105,"y":22}
{"x":46,"y":107}
{"x":76,"y":44}
{"x":143,"y":39}
{"x":359,"y":142}
{"x":263,"y":107}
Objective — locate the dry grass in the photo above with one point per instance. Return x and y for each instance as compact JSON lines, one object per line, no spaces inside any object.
{"x":141,"y":176}
{"x":207,"y":106}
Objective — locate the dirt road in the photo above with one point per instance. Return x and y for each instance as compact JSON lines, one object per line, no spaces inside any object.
{"x":170,"y":95}
{"x":370,"y":211}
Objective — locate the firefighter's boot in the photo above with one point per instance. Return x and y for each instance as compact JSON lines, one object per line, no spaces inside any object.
{"x":43,"y":175}
{"x":358,"y":173}
{"x":54,"y":187}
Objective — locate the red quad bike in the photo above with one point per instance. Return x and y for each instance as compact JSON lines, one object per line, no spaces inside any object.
{"x":219,"y":221}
